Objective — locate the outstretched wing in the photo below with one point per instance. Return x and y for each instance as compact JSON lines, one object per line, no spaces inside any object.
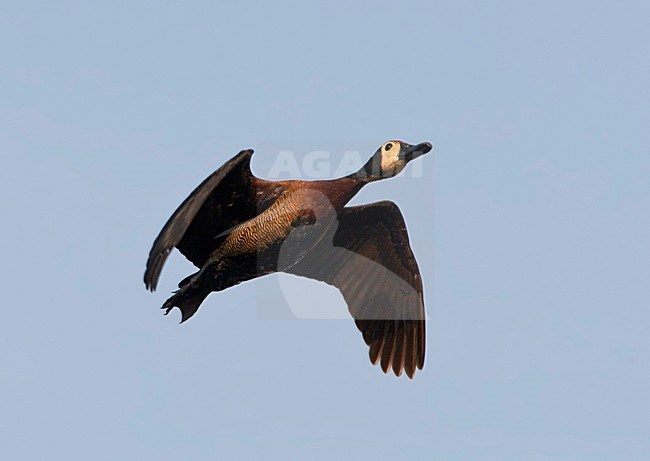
{"x":370,"y":261}
{"x":226,"y":198}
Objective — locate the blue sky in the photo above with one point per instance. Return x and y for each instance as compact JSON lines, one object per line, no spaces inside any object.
{"x":529,"y":221}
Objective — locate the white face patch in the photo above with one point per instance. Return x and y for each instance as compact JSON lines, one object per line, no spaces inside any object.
{"x":390,"y":157}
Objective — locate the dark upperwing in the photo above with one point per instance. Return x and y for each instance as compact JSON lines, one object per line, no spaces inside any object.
{"x":226,"y":198}
{"x":370,"y":261}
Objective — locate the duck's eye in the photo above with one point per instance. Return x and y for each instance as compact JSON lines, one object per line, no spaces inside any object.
{"x":389,"y":146}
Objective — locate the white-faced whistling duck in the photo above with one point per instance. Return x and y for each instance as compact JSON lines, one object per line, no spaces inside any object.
{"x":236,"y":227}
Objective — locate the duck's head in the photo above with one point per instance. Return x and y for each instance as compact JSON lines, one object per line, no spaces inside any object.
{"x":391,"y":158}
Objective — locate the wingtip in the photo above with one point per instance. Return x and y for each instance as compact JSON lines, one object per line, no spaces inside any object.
{"x":398,"y":373}
{"x":151,"y":274}
{"x":385,"y":367}
{"x":410,"y":374}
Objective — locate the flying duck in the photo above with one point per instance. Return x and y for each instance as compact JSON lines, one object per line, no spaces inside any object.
{"x":236,"y":227}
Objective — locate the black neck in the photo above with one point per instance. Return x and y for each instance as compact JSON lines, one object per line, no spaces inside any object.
{"x":370,"y":172}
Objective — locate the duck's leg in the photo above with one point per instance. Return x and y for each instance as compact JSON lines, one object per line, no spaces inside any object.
{"x":216,"y":275}
{"x":193,"y":291}
{"x":187,"y":300}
